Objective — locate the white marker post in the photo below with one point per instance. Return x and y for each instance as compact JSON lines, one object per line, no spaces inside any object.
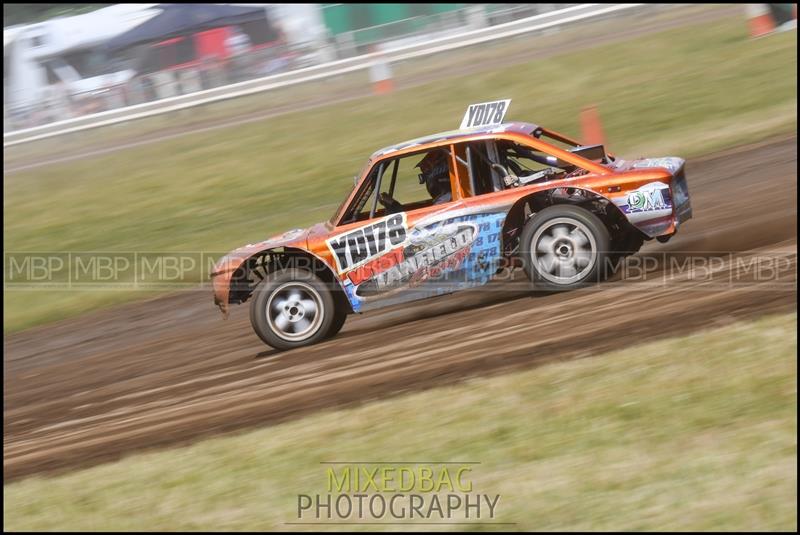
{"x":485,"y":114}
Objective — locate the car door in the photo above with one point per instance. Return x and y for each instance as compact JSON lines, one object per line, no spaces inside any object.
{"x":423,"y":244}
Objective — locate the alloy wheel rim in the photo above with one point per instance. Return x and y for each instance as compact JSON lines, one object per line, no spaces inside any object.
{"x":294,"y":311}
{"x":563,"y":251}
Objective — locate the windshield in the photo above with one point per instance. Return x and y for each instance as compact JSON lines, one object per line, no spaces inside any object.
{"x":341,"y":207}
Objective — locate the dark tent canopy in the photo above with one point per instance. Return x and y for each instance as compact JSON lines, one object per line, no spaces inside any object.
{"x":183,"y":19}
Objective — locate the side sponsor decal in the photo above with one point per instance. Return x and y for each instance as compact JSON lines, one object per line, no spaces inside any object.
{"x":649,"y":208}
{"x":651,"y":197}
{"x":436,"y":257}
{"x":429,"y":253}
{"x":357,"y":247}
{"x":645,"y":200}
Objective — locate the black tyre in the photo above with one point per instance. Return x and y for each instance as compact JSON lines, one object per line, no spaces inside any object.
{"x":292,"y":308}
{"x":624,"y":245}
{"x":564,"y":247}
{"x":339,"y":317}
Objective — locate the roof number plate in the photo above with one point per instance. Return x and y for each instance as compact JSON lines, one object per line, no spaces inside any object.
{"x":485,"y":113}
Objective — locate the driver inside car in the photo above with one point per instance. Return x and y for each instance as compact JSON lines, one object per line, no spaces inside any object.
{"x":436,"y":176}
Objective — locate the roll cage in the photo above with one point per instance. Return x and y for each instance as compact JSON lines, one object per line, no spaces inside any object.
{"x":466,"y":181}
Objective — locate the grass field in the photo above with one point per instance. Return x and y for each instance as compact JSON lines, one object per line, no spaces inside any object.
{"x":425,"y":66}
{"x":683,"y":92}
{"x":697,"y":432}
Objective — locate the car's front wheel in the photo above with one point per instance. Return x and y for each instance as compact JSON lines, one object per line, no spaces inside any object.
{"x":564,"y":247}
{"x":292,"y":308}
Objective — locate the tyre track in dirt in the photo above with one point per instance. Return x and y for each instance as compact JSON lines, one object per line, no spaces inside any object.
{"x":170,"y":371}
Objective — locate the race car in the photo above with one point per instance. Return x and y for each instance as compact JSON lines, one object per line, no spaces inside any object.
{"x":448,"y":212}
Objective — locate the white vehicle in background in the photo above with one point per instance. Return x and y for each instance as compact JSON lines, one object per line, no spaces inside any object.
{"x":47,"y":62}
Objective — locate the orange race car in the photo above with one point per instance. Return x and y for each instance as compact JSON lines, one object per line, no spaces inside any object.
{"x":449,"y":211}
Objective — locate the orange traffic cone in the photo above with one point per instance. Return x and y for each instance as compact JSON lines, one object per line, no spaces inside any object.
{"x":591,"y":127}
{"x":380,"y":74}
{"x":760,"y":20}
{"x":383,"y":87}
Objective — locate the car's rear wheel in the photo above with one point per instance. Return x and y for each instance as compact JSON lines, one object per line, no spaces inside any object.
{"x":564,"y":247}
{"x":292,"y":308}
{"x":623,"y":245}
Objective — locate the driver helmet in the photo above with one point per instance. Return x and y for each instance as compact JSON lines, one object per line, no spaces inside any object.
{"x":435,"y":173}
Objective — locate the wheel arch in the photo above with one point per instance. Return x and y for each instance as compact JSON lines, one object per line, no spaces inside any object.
{"x":526,"y":206}
{"x":255,"y":267}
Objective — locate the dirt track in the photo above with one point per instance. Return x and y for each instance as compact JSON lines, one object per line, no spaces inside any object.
{"x":170,"y":371}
